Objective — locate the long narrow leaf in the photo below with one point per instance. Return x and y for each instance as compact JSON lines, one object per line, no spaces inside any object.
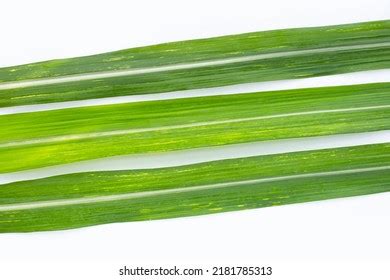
{"x":260,"y":56}
{"x":41,"y":139}
{"x":84,"y":199}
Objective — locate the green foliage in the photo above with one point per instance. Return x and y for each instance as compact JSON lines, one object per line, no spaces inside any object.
{"x":235,"y":196}
{"x":333,"y":61}
{"x":173,"y":124}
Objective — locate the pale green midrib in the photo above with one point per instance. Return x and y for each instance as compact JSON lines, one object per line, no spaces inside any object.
{"x":55,"y":139}
{"x":128,"y":196}
{"x":181,"y":66}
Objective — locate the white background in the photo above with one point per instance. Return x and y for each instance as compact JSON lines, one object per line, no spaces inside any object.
{"x":338,"y":239}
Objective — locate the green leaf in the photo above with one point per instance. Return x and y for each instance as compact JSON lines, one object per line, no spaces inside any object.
{"x":39,"y":139}
{"x":85,"y":199}
{"x":252,"y":57}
